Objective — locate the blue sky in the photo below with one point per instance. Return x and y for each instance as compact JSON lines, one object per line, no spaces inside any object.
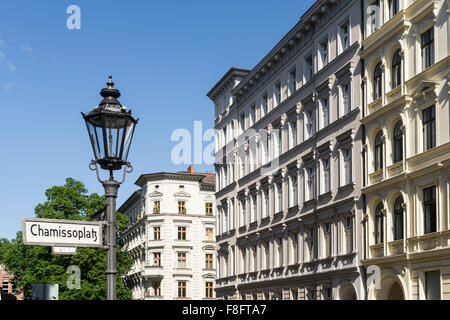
{"x":164,"y":57}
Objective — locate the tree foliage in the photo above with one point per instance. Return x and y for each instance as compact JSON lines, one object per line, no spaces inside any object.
{"x":36,"y":264}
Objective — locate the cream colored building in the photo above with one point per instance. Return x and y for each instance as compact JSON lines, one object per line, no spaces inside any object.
{"x":293,"y":231}
{"x":407,"y":147}
{"x":171,"y":236}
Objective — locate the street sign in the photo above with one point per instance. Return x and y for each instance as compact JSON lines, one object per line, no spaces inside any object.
{"x":64,"y":250}
{"x":62,"y":233}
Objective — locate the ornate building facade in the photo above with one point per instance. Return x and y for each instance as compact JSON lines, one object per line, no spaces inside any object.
{"x":288,"y":150}
{"x":171,"y":236}
{"x":407,"y":148}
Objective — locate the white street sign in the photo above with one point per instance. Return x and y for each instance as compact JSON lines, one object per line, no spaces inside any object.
{"x":61,"y":233}
{"x":64,"y":250}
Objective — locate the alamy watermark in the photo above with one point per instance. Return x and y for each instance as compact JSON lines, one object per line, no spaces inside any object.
{"x":74,"y":20}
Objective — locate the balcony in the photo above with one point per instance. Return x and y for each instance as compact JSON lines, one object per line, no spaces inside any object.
{"x":377,"y":250}
{"x":428,"y":242}
{"x":396,"y":247}
{"x":395,"y":169}
{"x":394,"y":94}
{"x":375,"y":105}
{"x":155,"y":272}
{"x":376,"y":176}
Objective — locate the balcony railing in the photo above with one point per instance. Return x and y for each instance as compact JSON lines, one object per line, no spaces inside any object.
{"x":431,"y":241}
{"x":394,"y":94}
{"x":376,"y":176}
{"x":377,"y":250}
{"x":152,"y":271}
{"x":395,"y":169}
{"x":375,"y":105}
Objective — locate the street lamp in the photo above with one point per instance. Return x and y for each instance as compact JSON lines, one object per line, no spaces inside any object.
{"x":110,"y":127}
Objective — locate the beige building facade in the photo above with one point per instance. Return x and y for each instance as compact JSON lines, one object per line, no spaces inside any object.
{"x":407,"y":148}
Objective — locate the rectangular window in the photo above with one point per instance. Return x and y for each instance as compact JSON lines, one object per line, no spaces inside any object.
{"x":181,"y":289}
{"x":294,"y":195}
{"x":293,"y":132}
{"x":157,"y":259}
{"x":243,"y":217}
{"x":345,"y":98}
{"x":324,"y":103}
{"x":181,"y":233}
{"x":209,"y":288}
{"x":242,"y":123}
{"x":252,"y":115}
{"x":427,"y":47}
{"x":209,"y":261}
{"x":310,"y":183}
{"x":433,"y":285}
{"x":344,"y":36}
{"x":393,"y":7}
{"x":276,"y":94}
{"x":429,"y":207}
{"x":326,"y":176}
{"x":156,"y":233}
{"x":429,"y":128}
{"x":310,"y":123}
{"x":181,"y":259}
{"x":156,"y":207}
{"x":308,"y":70}
{"x":182,"y":207}
{"x":292,"y":81}
{"x":209,"y":208}
{"x":157,"y":289}
{"x":279,"y":197}
{"x":327,"y":236}
{"x":323,"y":53}
{"x":266,"y":203}
{"x":209,"y":234}
{"x":348,"y":235}
{"x":347,"y":166}
{"x":264,"y":105}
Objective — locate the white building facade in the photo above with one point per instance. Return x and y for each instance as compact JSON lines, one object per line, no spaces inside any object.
{"x":288,"y":150}
{"x":171,"y":236}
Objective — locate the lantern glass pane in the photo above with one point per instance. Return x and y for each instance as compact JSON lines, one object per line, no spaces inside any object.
{"x":96,"y":138}
{"x":127,"y":141}
{"x":113,"y":136}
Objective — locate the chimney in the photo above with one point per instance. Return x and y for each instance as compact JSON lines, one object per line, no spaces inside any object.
{"x":191,"y":169}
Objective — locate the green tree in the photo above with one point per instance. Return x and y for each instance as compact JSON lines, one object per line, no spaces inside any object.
{"x":36,"y":264}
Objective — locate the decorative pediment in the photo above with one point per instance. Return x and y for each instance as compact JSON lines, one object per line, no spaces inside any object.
{"x":155,"y":194}
{"x":181,"y":194}
{"x":209,"y":276}
{"x":427,"y":90}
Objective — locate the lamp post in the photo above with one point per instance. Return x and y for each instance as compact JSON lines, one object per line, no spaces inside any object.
{"x":110,"y":127}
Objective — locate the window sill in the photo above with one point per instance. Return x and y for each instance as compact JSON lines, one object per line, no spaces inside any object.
{"x":347,"y":187}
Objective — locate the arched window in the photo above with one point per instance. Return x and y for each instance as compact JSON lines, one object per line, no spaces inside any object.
{"x":377,"y":87}
{"x":378,"y":151}
{"x":398,"y":142}
{"x":396,"y":69}
{"x":398,"y":218}
{"x":379,"y":224}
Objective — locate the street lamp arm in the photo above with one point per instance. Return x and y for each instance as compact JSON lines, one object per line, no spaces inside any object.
{"x":127,"y":169}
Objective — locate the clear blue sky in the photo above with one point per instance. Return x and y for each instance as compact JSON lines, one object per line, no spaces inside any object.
{"x":164,"y":57}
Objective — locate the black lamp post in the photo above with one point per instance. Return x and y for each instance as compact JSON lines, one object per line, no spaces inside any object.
{"x":110,"y":127}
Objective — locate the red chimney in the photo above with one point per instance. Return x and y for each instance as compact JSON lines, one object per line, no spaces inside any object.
{"x":191,"y":169}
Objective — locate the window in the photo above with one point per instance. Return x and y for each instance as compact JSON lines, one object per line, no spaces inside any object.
{"x":308,"y":70}
{"x":347,"y":167}
{"x":375,"y":16}
{"x":393,"y":8}
{"x":323,"y":53}
{"x":398,"y":142}
{"x":348,"y":234}
{"x":242,"y":122}
{"x":181,"y":233}
{"x":209,"y":234}
{"x":326,"y":177}
{"x":209,"y":290}
{"x":157,"y":259}
{"x":181,"y":289}
{"x":156,"y":233}
{"x":325,"y":110}
{"x":243,"y":218}
{"x":310,"y":123}
{"x":429,"y":203}
{"x":433,"y":285}
{"x":181,"y":259}
{"x":310,"y":250}
{"x":310,"y":183}
{"x":427,"y":47}
{"x":209,"y":208}
{"x":264,"y":105}
{"x":379,"y":215}
{"x":157,"y":289}
{"x":182,"y":207}
{"x":294,"y":191}
{"x":279,"y":201}
{"x":344,"y":36}
{"x":327,"y":236}
{"x":292,"y":81}
{"x":345,"y":98}
{"x":377,"y":81}
{"x":209,"y":261}
{"x":396,"y":69}
{"x":252,"y":115}
{"x":398,"y":218}
{"x":378,"y":155}
{"x":156,"y":207}
{"x":429,"y":128}
{"x":276,"y":94}
{"x":293,"y":134}
{"x":266,"y":203}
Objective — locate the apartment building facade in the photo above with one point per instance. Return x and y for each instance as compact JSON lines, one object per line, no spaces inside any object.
{"x":288,"y":150}
{"x":407,"y":147}
{"x":171,"y":236}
